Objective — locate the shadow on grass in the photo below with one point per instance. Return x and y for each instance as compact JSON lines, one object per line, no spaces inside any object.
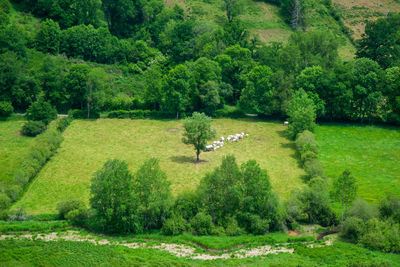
{"x":186,"y":159}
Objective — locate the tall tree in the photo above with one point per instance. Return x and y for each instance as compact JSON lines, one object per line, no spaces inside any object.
{"x":198,"y":131}
{"x":344,"y":189}
{"x":76,"y":85}
{"x":48,"y":37}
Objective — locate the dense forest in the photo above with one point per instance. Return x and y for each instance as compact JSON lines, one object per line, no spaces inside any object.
{"x":123,"y":55}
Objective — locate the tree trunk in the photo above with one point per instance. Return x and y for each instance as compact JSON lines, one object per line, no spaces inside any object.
{"x":198,"y":154}
{"x":177,"y":115}
{"x":341,"y":219}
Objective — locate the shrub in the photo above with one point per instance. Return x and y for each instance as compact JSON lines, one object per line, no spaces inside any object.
{"x":18,"y":215}
{"x":121,"y":102}
{"x":201,"y":224}
{"x":362,"y":210}
{"x":308,"y":156}
{"x":390,"y":208}
{"x":4,"y":201}
{"x":65,"y":207}
{"x":353,"y":228}
{"x":41,"y":111}
{"x":33,"y":128}
{"x":187,"y":205}
{"x":6,"y":109}
{"x":63,"y":123}
{"x":175,"y":225}
{"x":305,"y":141}
{"x":232,"y":228}
{"x":313,"y":169}
{"x":78,"y":215}
{"x":83,"y":114}
{"x":258,"y":226}
{"x":13,"y":192}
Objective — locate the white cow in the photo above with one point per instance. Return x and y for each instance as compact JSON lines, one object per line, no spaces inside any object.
{"x":209,"y":147}
{"x":286,"y":123}
{"x":222,"y":139}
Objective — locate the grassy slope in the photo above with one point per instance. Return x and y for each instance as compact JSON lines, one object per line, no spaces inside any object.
{"x":355,"y":13}
{"x":88,"y":144}
{"x":370,"y":152}
{"x":13,"y":148}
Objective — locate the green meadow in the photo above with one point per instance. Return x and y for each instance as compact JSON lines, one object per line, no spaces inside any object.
{"x":88,"y":144}
{"x":13,"y":148}
{"x":371,"y":153}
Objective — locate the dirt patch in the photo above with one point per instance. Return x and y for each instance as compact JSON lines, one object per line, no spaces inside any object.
{"x":172,"y":130}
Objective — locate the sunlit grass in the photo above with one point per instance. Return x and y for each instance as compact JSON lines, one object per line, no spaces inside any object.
{"x":371,"y":153}
{"x":88,"y":144}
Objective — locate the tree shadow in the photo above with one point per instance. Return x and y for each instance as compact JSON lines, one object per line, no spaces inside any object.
{"x":185,"y":159}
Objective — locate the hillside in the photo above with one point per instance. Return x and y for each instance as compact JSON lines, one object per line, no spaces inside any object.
{"x":355,"y":13}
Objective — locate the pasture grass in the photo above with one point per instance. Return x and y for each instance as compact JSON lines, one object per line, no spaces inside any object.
{"x":371,"y":153}
{"x":66,"y":253}
{"x":13,"y":147}
{"x":88,"y":144}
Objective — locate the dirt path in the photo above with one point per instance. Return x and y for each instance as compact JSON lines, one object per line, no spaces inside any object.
{"x":178,"y":250}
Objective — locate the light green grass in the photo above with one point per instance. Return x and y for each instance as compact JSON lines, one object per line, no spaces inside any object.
{"x":88,"y":144}
{"x":13,"y":148}
{"x":371,"y":153}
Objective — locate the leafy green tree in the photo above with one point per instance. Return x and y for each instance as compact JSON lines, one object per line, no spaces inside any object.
{"x":392,"y":92}
{"x":41,"y":111}
{"x":13,"y":38}
{"x":6,"y":108}
{"x":344,"y":189}
{"x":209,"y":97}
{"x":258,"y":94}
{"x":113,"y":198}
{"x":153,"y":87}
{"x":48,"y":37}
{"x":97,"y":85}
{"x":365,"y":78}
{"x":301,"y":112}
{"x":380,"y":42}
{"x":311,"y":80}
{"x":154,"y":195}
{"x":233,"y":8}
{"x":220,"y":190}
{"x":177,"y":87}
{"x":197,"y":132}
{"x":76,"y":85}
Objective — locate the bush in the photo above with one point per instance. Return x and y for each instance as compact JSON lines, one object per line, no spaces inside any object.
{"x":390,"y":208}
{"x":175,"y":225}
{"x":313,"y":169}
{"x":6,"y":109}
{"x":4,"y":201}
{"x":353,"y":228}
{"x":233,"y":114}
{"x":143,"y":114}
{"x":78,"y":215}
{"x":201,"y":224}
{"x":305,"y":141}
{"x":63,"y":123}
{"x":258,"y":226}
{"x":232,"y":228}
{"x":83,"y":114}
{"x":18,"y":215}
{"x":362,"y":210}
{"x":121,"y":102}
{"x":13,"y":192}
{"x":187,"y":205}
{"x":41,"y":111}
{"x":65,"y":207}
{"x":33,"y":128}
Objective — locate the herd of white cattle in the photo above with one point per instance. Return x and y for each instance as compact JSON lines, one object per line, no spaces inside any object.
{"x":231,"y":138}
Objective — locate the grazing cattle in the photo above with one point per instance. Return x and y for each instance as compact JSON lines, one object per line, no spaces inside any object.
{"x":247,"y":135}
{"x":222,"y":138}
{"x":209,"y":147}
{"x":286,"y":123}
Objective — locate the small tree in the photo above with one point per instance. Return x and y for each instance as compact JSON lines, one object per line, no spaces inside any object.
{"x":153,"y":190}
{"x":301,"y":111}
{"x":344,"y":189}
{"x":113,"y":199}
{"x":198,"y":131}
{"x":41,"y":111}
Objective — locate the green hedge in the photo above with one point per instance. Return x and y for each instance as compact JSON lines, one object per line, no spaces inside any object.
{"x":82,"y":114}
{"x":233,"y":114}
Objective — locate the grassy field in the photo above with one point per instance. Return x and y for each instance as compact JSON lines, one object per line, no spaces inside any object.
{"x":40,"y":253}
{"x":372,"y":153}
{"x":13,"y":148}
{"x":355,"y":13}
{"x":88,"y":144}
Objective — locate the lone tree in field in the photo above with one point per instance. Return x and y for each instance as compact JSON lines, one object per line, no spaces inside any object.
{"x":198,"y":131}
{"x":344,"y":189}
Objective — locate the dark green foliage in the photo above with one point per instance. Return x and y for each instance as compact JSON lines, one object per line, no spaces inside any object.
{"x":363,"y":210}
{"x":201,"y":224}
{"x":48,"y":37}
{"x":153,"y":194}
{"x":302,"y":114}
{"x":6,"y":109}
{"x":344,"y":189}
{"x":380,"y":41}
{"x":63,"y":123}
{"x":142,"y":114}
{"x":381,"y":235}
{"x":113,"y":198}
{"x":4,"y":201}
{"x":389,"y":207}
{"x":33,"y":128}
{"x":187,"y":205}
{"x":353,"y":228}
{"x":305,"y":141}
{"x":67,"y":206}
{"x":83,"y":114}
{"x":41,"y":111}
{"x":175,"y":225}
{"x":313,"y":167}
